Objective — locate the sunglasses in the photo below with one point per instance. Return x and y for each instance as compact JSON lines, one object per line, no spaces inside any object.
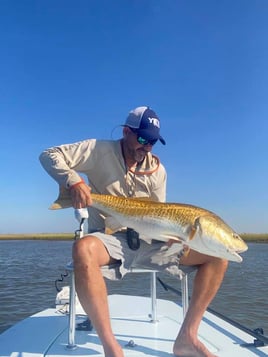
{"x":143,"y":141}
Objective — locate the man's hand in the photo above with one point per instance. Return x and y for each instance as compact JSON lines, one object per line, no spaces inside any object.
{"x":81,"y":195}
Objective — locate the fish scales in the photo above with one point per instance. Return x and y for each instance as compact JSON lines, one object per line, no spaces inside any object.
{"x":200,"y":229}
{"x":175,"y":212}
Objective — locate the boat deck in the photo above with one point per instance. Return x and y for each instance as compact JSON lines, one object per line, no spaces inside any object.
{"x":46,"y":333}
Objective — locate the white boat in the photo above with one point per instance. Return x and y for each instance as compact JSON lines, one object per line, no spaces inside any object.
{"x":139,"y":328}
{"x":144,"y":326}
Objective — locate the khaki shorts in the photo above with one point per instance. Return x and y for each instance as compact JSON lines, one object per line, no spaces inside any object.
{"x":156,"y":256}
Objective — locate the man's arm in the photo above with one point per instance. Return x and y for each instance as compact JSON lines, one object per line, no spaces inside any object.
{"x":62,"y":164}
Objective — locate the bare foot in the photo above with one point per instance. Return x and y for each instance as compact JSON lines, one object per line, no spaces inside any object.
{"x":184,"y":347}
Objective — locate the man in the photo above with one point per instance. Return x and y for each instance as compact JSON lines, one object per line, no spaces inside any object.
{"x":126,"y":167}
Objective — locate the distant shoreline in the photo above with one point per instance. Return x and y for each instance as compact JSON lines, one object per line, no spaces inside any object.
{"x":37,"y":236}
{"x":248,"y":237}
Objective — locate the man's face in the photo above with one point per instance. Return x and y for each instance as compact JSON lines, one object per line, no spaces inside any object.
{"x":134,"y":150}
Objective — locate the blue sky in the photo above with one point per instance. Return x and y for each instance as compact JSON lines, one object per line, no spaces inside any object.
{"x":72,"y":70}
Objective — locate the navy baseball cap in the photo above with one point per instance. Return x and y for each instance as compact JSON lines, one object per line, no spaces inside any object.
{"x":146,"y":123}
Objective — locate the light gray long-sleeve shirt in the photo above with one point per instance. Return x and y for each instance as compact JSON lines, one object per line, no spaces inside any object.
{"x":103,"y":164}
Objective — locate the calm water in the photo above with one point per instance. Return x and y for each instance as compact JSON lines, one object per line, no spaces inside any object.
{"x":28,"y":270}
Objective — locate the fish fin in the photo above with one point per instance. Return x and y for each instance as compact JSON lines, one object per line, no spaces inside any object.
{"x":108,"y":231}
{"x":112,"y":225}
{"x":186,"y":251}
{"x":64,"y":199}
{"x":167,"y":237}
{"x":192,"y":233}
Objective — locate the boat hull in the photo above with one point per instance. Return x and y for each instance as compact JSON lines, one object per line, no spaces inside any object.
{"x":46,"y":333}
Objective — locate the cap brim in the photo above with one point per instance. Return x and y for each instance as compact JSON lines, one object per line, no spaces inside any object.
{"x":162,"y":140}
{"x":148,"y":135}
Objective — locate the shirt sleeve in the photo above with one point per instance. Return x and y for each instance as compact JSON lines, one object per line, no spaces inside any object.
{"x":63,"y":162}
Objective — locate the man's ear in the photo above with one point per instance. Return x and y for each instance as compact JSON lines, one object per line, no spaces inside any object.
{"x":126,"y":131}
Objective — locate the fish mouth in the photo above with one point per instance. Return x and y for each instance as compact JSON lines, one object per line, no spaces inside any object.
{"x":242,"y":250}
{"x":242,"y":245}
{"x":238,"y":251}
{"x":235,"y":257}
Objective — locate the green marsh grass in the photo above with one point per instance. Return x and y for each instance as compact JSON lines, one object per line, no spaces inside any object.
{"x":37,"y":236}
{"x":248,"y":237}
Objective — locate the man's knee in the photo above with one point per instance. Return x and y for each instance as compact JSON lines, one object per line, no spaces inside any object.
{"x":218,"y":265}
{"x":90,"y":250}
{"x":85,"y":248}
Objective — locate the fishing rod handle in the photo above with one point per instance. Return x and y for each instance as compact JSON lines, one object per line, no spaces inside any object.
{"x":81,"y":213}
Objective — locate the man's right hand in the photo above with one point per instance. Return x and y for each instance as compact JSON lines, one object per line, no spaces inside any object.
{"x":81,"y":195}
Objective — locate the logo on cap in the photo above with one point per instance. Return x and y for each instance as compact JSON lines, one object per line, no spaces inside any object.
{"x":154,"y":121}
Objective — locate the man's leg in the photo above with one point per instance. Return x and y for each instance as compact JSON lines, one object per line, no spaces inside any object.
{"x":89,"y":254}
{"x":207,"y":282}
